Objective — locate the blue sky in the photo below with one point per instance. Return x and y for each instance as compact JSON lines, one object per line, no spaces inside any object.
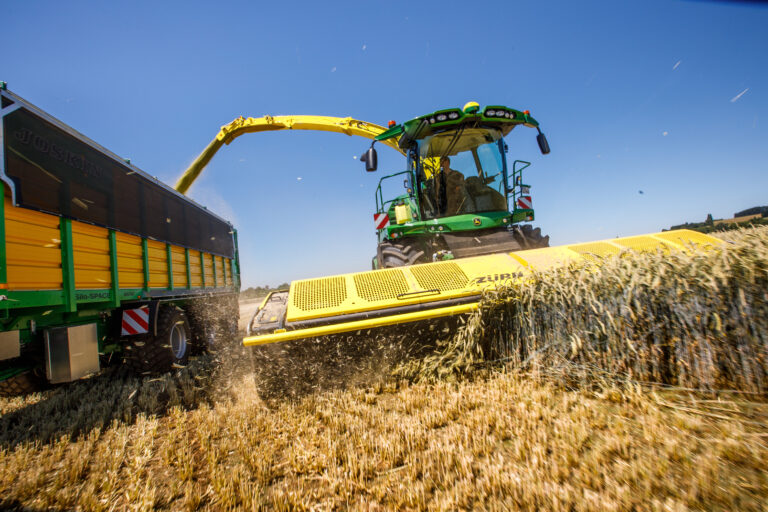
{"x":667,"y":97}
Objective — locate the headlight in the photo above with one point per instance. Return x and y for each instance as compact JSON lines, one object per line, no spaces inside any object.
{"x":431,"y":120}
{"x":453,"y":115}
{"x":506,"y":114}
{"x":511,"y":115}
{"x":441,"y":117}
{"x":490,"y":113}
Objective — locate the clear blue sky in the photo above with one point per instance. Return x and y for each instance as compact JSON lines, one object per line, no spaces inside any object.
{"x":633,"y":95}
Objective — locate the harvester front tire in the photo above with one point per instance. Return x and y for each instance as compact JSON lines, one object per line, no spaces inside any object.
{"x":531,"y":238}
{"x":169,"y":349}
{"x":392,"y":255}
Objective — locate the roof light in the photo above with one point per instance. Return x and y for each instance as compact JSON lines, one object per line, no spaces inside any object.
{"x":391,"y":123}
{"x":526,"y":112}
{"x":471,"y":107}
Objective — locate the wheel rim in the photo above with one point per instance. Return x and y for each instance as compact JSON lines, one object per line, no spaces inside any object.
{"x":179,"y":340}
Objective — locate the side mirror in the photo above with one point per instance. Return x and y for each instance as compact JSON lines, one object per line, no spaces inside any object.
{"x":543,"y":144}
{"x":370,"y":159}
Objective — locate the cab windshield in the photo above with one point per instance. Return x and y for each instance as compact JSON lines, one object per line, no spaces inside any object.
{"x":461,"y":173}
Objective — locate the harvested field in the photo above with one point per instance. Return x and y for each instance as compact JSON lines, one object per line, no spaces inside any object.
{"x":573,"y":416}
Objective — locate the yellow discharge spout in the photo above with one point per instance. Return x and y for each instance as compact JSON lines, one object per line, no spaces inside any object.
{"x":241,"y":125}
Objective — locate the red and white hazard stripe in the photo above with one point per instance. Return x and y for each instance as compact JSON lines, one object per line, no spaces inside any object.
{"x":381,"y":220}
{"x":135,"y":321}
{"x":525,"y":202}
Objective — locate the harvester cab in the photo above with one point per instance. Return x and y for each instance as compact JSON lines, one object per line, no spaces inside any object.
{"x":461,"y":198}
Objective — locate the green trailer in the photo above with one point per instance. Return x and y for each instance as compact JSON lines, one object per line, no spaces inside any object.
{"x":99,"y":261}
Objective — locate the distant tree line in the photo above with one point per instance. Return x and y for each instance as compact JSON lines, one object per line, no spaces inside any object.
{"x":762,"y":210}
{"x":711,"y":225}
{"x":261,"y":291}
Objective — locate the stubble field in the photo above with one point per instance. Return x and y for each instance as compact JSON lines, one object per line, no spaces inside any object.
{"x":641,"y":387}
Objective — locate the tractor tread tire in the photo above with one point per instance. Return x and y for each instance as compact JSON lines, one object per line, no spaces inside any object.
{"x":531,"y":238}
{"x":153,"y":354}
{"x":22,"y":384}
{"x":398,"y":255}
{"x":204,"y":336}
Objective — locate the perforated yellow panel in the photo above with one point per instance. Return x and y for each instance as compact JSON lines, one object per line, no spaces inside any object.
{"x":323,"y":293}
{"x":382,"y":285}
{"x":595,"y":250}
{"x":684,"y":237}
{"x":440,"y":276}
{"x":643,"y":244}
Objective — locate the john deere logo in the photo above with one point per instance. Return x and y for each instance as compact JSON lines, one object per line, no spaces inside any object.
{"x":476,"y":221}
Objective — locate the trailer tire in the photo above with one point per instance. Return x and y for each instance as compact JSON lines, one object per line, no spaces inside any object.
{"x":229,"y":322}
{"x":22,"y":384}
{"x":204,"y":331}
{"x":228,"y":330}
{"x":169,"y":349}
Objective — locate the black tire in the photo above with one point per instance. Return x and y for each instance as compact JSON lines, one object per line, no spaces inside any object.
{"x":392,"y":255}
{"x":227,"y":320}
{"x":228,"y":331}
{"x":169,"y":349}
{"x":530,"y":237}
{"x":204,"y":329}
{"x":22,"y":384}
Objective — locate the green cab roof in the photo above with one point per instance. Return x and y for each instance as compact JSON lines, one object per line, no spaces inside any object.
{"x":493,"y":116}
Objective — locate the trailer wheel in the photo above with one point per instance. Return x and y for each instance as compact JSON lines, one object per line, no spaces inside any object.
{"x":169,"y":349}
{"x":204,"y":335}
{"x":228,"y":322}
{"x":22,"y":384}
